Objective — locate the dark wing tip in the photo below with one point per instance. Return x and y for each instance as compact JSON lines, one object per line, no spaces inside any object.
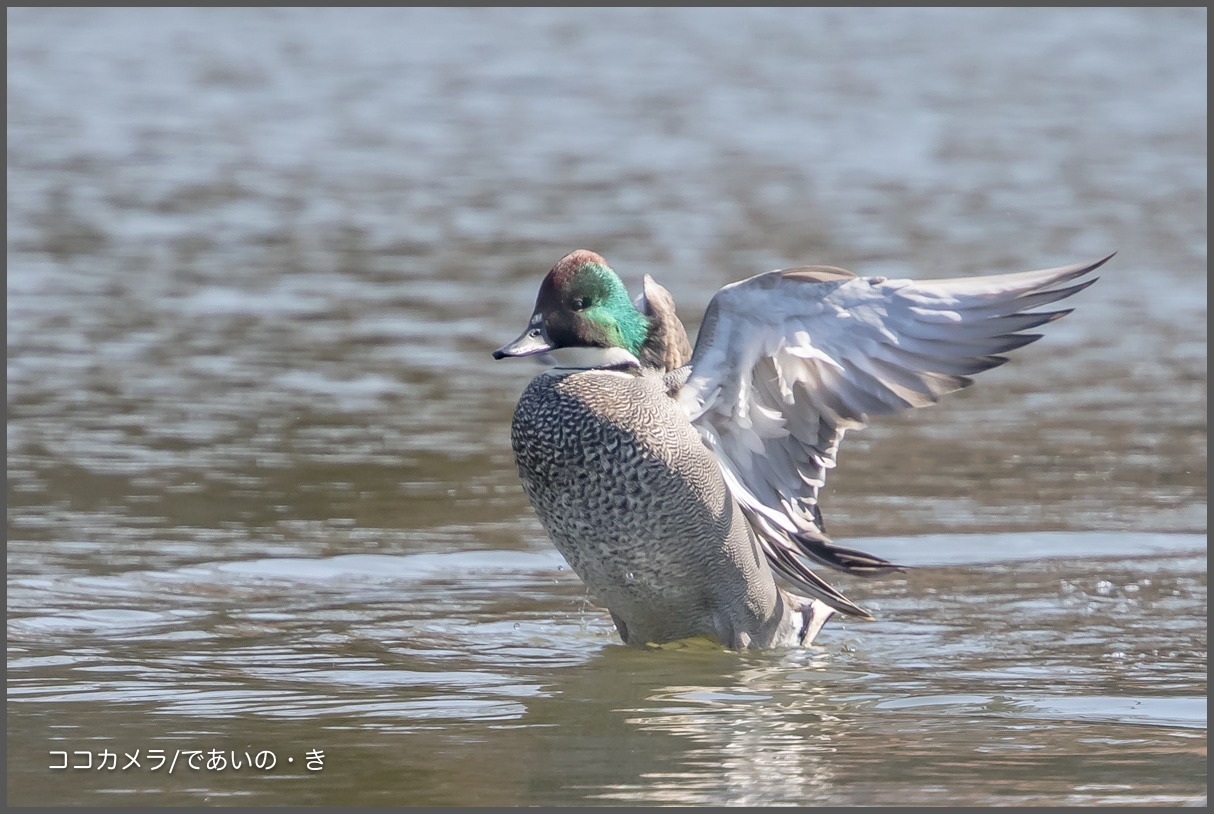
{"x":1080,"y":269}
{"x":1082,"y":286}
{"x":785,"y":563}
{"x":847,"y":560}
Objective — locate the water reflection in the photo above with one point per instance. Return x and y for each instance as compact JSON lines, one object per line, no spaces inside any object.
{"x":355,"y":652}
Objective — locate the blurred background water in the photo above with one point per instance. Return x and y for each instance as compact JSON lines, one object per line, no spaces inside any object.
{"x":260,"y":491}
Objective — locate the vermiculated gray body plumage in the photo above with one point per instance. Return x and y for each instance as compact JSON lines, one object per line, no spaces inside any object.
{"x":637,"y":505}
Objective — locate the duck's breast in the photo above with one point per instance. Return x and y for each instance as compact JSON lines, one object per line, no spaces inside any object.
{"x":633,"y":499}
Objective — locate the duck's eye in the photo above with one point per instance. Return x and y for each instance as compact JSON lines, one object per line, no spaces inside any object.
{"x":581,"y":304}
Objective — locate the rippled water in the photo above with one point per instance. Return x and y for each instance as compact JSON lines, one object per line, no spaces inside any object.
{"x":260,"y":491}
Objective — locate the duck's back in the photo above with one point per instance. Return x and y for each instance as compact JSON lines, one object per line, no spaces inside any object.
{"x":637,"y":505}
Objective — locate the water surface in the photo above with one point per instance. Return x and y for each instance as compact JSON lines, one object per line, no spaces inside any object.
{"x":260,"y":491}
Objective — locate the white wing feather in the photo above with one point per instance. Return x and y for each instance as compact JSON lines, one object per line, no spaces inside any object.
{"x":786,"y":362}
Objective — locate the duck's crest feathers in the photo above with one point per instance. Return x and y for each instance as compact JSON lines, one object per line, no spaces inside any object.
{"x":667,"y":346}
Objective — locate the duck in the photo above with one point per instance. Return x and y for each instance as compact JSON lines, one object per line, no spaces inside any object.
{"x":681,"y":483}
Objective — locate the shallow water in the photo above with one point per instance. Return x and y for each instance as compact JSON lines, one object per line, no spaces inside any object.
{"x":260,"y":491}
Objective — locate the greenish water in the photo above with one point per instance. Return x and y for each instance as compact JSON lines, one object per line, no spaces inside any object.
{"x":260,"y":491}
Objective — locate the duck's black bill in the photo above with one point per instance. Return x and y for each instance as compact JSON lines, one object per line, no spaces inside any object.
{"x":532,"y":341}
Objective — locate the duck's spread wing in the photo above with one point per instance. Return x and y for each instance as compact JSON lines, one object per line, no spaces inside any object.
{"x":786,"y":362}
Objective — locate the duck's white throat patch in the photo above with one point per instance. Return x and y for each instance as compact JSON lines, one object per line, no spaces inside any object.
{"x":588,"y":358}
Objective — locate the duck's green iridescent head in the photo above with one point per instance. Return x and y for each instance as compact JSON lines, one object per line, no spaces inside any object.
{"x":582,"y":304}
